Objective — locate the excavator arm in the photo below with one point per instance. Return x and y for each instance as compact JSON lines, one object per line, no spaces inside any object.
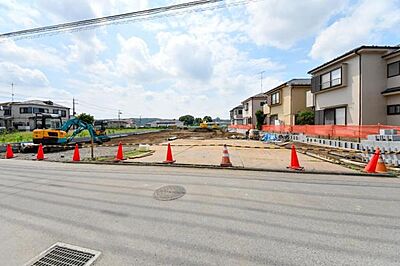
{"x":80,"y":126}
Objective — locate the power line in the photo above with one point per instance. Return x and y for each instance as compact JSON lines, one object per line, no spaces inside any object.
{"x":154,"y":13}
{"x":107,"y":19}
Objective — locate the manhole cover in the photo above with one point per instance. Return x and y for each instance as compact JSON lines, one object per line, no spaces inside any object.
{"x":169,"y":193}
{"x":61,"y":254}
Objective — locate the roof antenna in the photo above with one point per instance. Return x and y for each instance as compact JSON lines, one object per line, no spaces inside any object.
{"x":261,"y":79}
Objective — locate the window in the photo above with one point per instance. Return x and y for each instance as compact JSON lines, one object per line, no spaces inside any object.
{"x":40,"y":110}
{"x":335,"y":116}
{"x":56,"y":111}
{"x":331,"y":79}
{"x":25,"y":110}
{"x":7,"y":112}
{"x":326,"y":81}
{"x":275,"y":98}
{"x":246,"y":107}
{"x":63,"y":113}
{"x":240,"y":112}
{"x":329,"y":117}
{"x":262,"y":103}
{"x":393,"y":109}
{"x":336,"y":77}
{"x":393,"y":69}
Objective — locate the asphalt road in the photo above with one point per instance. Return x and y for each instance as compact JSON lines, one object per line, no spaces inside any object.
{"x":226,"y":217}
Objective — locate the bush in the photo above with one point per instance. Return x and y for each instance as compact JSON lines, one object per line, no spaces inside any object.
{"x":305,"y":117}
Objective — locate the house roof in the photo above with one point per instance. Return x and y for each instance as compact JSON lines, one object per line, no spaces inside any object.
{"x":354,"y":51}
{"x":257,"y":96}
{"x":237,"y":107}
{"x":36,"y":102}
{"x":390,"y":90}
{"x":293,"y":82}
{"x":395,"y":52}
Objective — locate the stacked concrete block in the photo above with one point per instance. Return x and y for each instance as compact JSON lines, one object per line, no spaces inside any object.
{"x":389,"y":144}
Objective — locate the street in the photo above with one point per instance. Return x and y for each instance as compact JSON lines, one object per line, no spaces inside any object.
{"x":226,"y":217}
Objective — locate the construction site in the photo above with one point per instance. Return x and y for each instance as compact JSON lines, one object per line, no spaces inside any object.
{"x":206,"y":147}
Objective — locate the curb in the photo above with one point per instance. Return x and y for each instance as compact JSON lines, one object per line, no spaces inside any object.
{"x":236,"y":168}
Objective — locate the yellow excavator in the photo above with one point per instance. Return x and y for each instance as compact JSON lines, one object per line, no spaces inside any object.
{"x":51,"y":131}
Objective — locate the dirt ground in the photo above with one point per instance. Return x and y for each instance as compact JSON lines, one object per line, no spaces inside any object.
{"x":160,"y":137}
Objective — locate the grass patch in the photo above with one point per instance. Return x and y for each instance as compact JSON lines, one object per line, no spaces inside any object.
{"x":127,"y":155}
{"x":15,"y":137}
{"x":26,"y":136}
{"x":134,"y":153}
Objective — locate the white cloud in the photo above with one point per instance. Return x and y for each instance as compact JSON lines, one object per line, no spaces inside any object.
{"x":85,"y":47}
{"x":281,"y":23}
{"x":185,"y":56}
{"x":29,"y":56}
{"x":12,"y":10}
{"x":25,"y":77}
{"x":364,"y":24}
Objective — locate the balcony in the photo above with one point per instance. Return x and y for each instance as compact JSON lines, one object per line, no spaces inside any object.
{"x":266,"y":109}
{"x":309,"y":99}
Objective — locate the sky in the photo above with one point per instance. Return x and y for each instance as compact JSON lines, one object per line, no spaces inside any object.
{"x":198,"y":63}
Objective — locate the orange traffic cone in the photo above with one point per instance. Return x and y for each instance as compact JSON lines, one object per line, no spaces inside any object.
{"x":40,"y":153}
{"x":226,"y":162}
{"x":9,"y":152}
{"x":380,"y":166}
{"x":76,"y":157}
{"x":371,"y":166}
{"x":169,"y":158}
{"x":294,"y":161}
{"x":120,"y":154}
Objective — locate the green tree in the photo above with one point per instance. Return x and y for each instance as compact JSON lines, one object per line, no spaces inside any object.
{"x":197,"y":121}
{"x":86,"y":118}
{"x":207,"y":119}
{"x":305,"y":117}
{"x":260,"y":116}
{"x":187,"y":120}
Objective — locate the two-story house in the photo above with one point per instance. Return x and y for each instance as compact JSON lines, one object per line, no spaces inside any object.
{"x":286,"y":101}
{"x":348,"y":89}
{"x":21,"y":115}
{"x":236,"y":115}
{"x":251,"y":106}
{"x":392,"y":91}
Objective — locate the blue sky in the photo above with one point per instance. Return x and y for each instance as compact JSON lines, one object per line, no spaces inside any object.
{"x":201,"y":63}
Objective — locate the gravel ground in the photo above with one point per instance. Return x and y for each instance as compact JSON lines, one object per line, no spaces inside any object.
{"x":65,"y":156}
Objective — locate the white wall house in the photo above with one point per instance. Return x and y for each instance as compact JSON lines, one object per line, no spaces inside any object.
{"x":251,"y":106}
{"x":20,"y":115}
{"x":356,"y":88}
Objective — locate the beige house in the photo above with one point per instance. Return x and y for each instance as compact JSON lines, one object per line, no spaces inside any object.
{"x":286,"y":101}
{"x":251,"y":106}
{"x":357,"y":88}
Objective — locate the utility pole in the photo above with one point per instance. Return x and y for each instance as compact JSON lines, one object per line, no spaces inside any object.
{"x":119,"y":118}
{"x":12,"y":91}
{"x":73,"y":107}
{"x":140,"y":120}
{"x":261,"y":79}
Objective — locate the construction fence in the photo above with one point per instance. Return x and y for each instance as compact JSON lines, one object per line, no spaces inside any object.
{"x":330,"y":131}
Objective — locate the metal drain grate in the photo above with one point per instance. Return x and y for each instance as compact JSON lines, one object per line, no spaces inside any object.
{"x":61,"y":254}
{"x":169,"y":193}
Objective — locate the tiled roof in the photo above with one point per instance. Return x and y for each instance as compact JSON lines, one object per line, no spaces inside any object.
{"x":351,"y":52}
{"x":36,"y":102}
{"x":389,"y":90}
{"x":293,"y":82}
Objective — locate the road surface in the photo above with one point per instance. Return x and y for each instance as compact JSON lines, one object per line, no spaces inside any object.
{"x":226,"y":217}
